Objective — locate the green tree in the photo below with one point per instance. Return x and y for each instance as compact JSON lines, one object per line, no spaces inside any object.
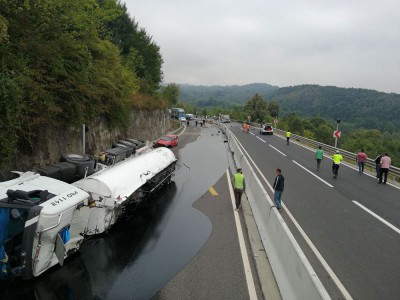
{"x":171,"y":93}
{"x":273,"y":109}
{"x":257,"y":108}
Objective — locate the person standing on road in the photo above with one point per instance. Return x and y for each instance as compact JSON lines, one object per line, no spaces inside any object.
{"x":378,"y":165}
{"x":279,"y":185}
{"x":385,"y":166}
{"x":248,"y":128}
{"x":319,"y":156}
{"x":239,"y":186}
{"x":288,"y":134}
{"x":337,"y":159}
{"x":361,"y":159}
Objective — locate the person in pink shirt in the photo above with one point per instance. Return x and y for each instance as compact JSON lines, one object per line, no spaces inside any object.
{"x":361,"y":159}
{"x":385,"y":166}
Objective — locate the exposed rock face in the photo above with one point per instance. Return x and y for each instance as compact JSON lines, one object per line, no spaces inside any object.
{"x":145,"y":125}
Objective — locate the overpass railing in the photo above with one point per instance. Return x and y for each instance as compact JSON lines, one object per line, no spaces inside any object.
{"x":294,"y":274}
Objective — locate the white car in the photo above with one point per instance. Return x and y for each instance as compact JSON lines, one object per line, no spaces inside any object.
{"x":267,"y":129}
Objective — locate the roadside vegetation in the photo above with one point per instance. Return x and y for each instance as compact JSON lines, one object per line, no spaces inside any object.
{"x":67,"y":62}
{"x":353,"y":139}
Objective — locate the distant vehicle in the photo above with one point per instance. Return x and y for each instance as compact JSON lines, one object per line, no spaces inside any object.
{"x":267,"y":129}
{"x":178,"y":113}
{"x":169,"y":141}
{"x":189,"y":117}
{"x":225,"y":119}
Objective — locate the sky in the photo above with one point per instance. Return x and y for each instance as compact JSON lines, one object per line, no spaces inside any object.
{"x":345,"y":43}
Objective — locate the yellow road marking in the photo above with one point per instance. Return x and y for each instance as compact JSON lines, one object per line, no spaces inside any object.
{"x":213,"y":191}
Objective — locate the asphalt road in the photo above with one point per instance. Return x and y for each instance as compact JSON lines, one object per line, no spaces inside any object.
{"x":363,"y":252}
{"x":182,"y":244}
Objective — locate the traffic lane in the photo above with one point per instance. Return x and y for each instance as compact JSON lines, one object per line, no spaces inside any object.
{"x":381,"y":199}
{"x":343,"y":233}
{"x":189,"y":135}
{"x":183,"y":230}
{"x":216,"y":272}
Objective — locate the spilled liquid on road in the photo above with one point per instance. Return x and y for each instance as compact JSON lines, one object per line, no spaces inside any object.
{"x":148,"y":247}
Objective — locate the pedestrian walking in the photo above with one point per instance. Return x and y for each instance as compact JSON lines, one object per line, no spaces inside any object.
{"x":319,"y":156}
{"x":337,"y":159}
{"x":239,"y":187}
{"x":386,"y":161}
{"x":196,"y":122}
{"x":248,"y":128}
{"x":288,"y":134}
{"x":279,"y":185}
{"x":378,"y":165}
{"x":361,"y":159}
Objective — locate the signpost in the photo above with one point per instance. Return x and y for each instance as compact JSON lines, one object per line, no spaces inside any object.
{"x":336,"y":134}
{"x":275,"y":121}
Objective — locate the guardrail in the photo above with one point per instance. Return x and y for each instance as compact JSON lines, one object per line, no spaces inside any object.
{"x":394,"y":172}
{"x":294,"y":275}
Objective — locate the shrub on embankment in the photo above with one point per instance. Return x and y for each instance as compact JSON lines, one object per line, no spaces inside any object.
{"x":68,"y":62}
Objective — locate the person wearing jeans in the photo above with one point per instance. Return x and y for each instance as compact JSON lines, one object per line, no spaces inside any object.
{"x":385,"y":165}
{"x":378,"y":165}
{"x":361,"y":159}
{"x":279,"y":185}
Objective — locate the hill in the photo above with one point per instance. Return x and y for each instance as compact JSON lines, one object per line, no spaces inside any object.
{"x":224,"y":96}
{"x":358,"y":108}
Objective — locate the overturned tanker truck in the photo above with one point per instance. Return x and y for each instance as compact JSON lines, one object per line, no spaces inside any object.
{"x":44,"y":220}
{"x":124,"y":185}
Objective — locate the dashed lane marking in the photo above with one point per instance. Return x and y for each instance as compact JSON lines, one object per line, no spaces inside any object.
{"x":261,"y":139}
{"x":277,"y":150}
{"x":378,"y":217}
{"x":319,"y":178}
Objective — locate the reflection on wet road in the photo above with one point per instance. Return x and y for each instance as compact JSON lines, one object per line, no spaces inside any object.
{"x":146,"y":249}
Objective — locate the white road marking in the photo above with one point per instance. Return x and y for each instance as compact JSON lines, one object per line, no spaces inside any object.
{"x":246,"y":263}
{"x":277,"y":150}
{"x":252,"y":133}
{"x":378,"y":217}
{"x":328,"y":269}
{"x":261,"y":139}
{"x":343,"y":163}
{"x":319,"y":178}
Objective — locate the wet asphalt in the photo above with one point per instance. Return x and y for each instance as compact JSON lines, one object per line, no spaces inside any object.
{"x":145,"y":255}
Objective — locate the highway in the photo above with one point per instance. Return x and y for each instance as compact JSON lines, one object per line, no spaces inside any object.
{"x":352,"y":220}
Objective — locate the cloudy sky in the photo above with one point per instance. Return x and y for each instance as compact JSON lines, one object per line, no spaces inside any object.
{"x":347,"y":43}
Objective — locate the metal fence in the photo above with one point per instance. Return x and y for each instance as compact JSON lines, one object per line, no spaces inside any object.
{"x":394,"y":172}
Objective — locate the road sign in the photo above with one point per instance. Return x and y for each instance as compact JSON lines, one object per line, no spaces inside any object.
{"x":336,"y":134}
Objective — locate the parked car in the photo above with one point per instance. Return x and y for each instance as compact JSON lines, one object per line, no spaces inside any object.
{"x":267,"y":129}
{"x":169,"y":141}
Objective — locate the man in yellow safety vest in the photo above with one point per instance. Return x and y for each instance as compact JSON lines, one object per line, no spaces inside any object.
{"x":239,"y":186}
{"x":337,"y":159}
{"x":288,"y":134}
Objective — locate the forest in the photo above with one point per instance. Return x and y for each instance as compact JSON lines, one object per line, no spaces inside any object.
{"x":312,"y":111}
{"x":67,"y":62}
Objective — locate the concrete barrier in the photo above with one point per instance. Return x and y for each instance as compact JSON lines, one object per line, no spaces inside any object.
{"x":294,"y":275}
